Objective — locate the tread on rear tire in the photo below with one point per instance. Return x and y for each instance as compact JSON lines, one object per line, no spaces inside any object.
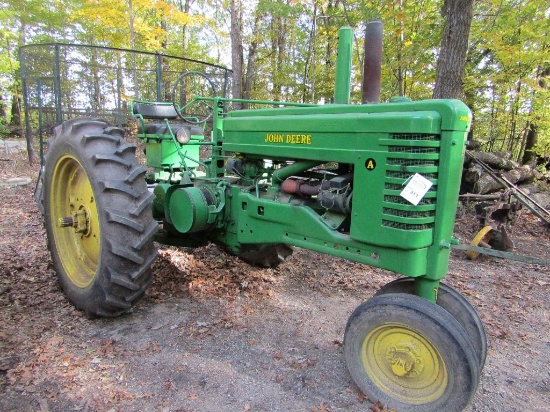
{"x":104,"y":254}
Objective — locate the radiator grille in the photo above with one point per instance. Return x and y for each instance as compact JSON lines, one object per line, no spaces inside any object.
{"x":399,"y":149}
{"x":408,"y":213}
{"x":405,"y":176}
{"x":406,"y":226}
{"x":411,"y":162}
{"x":414,"y":136}
{"x":403,"y":161}
{"x":399,"y":186}
{"x":398,"y":200}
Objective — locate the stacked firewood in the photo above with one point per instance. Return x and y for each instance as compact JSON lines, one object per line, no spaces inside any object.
{"x":476,"y":179}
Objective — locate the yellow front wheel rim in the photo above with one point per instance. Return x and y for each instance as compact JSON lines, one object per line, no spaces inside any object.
{"x":75,"y":221}
{"x":404,"y":364}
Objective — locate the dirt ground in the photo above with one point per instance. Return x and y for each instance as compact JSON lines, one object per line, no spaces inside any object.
{"x":214,"y":334}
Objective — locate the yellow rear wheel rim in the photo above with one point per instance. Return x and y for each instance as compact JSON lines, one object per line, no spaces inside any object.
{"x":72,"y":195}
{"x":404,"y":364}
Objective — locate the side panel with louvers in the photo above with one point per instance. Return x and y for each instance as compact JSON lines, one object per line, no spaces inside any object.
{"x":392,"y":220}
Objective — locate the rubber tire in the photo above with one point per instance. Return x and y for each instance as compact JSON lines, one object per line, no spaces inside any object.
{"x":432,"y":323}
{"x":457,"y":305}
{"x":266,"y":255}
{"x":124,"y":217}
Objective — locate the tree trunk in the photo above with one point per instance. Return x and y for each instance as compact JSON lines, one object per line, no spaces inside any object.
{"x":251,"y":63}
{"x":529,"y":154}
{"x":237,"y":51}
{"x":185,"y":7}
{"x":454,"y":46}
{"x":400,"y":80}
{"x":3,"y":117}
{"x":279,"y":49}
{"x":308,"y":88}
{"x":96,"y":97}
{"x":513,"y":138}
{"x":133,"y":47}
{"x":15,"y":120}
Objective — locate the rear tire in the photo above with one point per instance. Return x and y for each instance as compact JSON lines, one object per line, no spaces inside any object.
{"x":103,"y":250}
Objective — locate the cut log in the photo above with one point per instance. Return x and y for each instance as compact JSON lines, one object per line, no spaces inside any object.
{"x":488,"y":184}
{"x":473,"y":145}
{"x":496,"y":160}
{"x":532,"y":188}
{"x":473,"y":173}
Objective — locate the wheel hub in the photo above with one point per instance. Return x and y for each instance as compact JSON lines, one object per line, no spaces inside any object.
{"x":404,"y":364}
{"x":78,"y":219}
{"x":404,"y":361}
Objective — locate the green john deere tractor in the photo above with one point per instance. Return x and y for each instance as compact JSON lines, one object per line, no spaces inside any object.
{"x":373,"y":183}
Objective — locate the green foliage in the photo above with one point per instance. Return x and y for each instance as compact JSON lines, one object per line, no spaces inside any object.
{"x":4,"y":131}
{"x":292,"y":44}
{"x":137,"y":24}
{"x":509,"y":51}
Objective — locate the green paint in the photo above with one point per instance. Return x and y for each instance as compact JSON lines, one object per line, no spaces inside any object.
{"x":325,"y":178}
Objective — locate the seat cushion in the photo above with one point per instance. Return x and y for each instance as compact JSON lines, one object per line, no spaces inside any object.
{"x":162,"y":128}
{"x":155,"y":110}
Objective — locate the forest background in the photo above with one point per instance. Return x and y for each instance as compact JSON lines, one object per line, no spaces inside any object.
{"x":286,"y":50}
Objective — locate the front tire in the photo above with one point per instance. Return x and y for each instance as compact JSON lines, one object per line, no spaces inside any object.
{"x":454,"y":303}
{"x":410,"y":355}
{"x":98,"y":217}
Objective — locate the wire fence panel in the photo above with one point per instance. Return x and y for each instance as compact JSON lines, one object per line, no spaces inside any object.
{"x":65,"y":81}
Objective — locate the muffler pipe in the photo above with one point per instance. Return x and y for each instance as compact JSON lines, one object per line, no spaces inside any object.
{"x":372,"y":68}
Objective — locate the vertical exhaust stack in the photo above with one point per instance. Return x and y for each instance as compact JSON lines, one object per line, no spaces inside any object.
{"x":370,"y":91}
{"x":342,"y":86}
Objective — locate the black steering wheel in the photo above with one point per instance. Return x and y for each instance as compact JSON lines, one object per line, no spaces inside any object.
{"x":189,"y":87}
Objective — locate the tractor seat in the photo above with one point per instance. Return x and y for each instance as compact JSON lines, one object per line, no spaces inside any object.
{"x":162,"y":128}
{"x":155,"y":110}
{"x":160,"y":111}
